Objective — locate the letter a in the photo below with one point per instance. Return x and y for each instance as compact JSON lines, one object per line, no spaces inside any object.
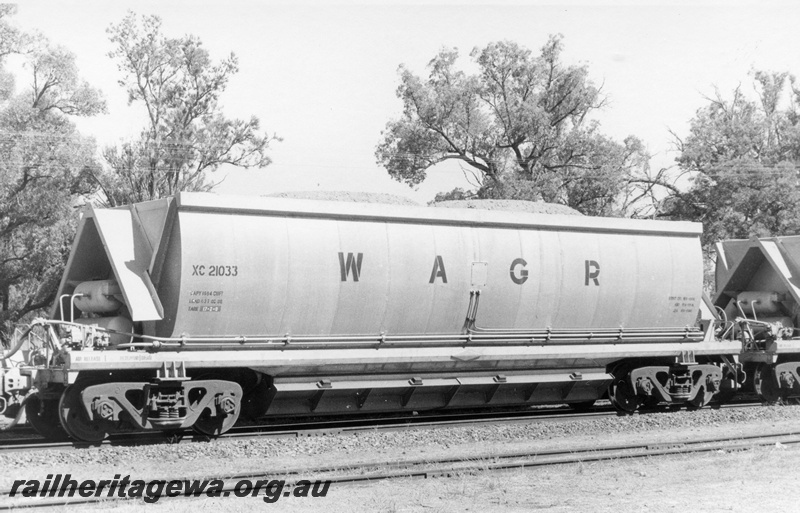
{"x":438,"y":270}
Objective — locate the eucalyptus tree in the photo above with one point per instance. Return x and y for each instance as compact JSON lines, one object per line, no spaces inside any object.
{"x":186,"y":135}
{"x":743,"y":153}
{"x":45,"y":168}
{"x":522,"y":125}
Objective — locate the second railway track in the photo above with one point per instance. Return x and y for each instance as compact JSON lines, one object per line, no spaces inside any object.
{"x":427,"y":468}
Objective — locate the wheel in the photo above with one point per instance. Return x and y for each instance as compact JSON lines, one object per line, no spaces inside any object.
{"x":701,"y":399}
{"x":74,"y":420}
{"x":726,"y":395}
{"x":216,"y":425}
{"x":254,"y":402}
{"x":651,"y":402}
{"x":623,"y":399}
{"x":765,"y":384}
{"x":43,"y":416}
{"x":730,"y":386}
{"x":12,"y":410}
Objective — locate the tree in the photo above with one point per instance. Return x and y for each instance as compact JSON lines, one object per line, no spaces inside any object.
{"x":44,"y":168}
{"x":743,"y":155}
{"x":186,"y":136}
{"x":12,"y":41}
{"x":522,"y":124}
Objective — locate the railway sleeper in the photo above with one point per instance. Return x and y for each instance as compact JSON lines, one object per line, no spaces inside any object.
{"x":693,"y":384}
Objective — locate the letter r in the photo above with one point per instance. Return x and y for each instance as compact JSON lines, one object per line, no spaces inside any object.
{"x":592,"y":272}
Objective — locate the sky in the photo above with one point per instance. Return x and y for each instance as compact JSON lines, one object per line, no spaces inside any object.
{"x":323,"y":75}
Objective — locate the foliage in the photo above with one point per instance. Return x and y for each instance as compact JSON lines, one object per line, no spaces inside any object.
{"x":44,"y":168}
{"x":522,"y":124}
{"x":186,"y":135}
{"x":743,"y":155}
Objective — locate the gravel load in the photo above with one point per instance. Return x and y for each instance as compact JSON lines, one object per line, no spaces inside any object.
{"x":356,"y":197}
{"x":533,"y":207}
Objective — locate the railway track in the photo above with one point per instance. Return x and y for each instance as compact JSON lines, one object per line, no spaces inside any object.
{"x":28,"y":440}
{"x":436,"y":467}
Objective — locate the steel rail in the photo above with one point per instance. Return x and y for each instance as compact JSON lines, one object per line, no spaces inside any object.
{"x":339,"y":425}
{"x":317,"y":428}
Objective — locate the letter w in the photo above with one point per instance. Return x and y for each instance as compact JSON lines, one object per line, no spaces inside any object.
{"x":351,"y":264}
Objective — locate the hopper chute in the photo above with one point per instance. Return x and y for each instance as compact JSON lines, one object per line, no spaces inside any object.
{"x":762,"y":276}
{"x":119,"y":246}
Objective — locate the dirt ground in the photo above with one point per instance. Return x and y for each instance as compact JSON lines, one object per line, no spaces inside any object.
{"x":763,"y":479}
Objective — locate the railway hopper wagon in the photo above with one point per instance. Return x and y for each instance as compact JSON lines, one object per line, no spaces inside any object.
{"x":758,"y":300}
{"x":194,"y":310}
